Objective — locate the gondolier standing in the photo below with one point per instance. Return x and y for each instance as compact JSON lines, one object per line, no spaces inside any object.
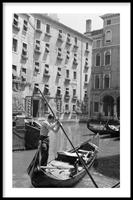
{"x":47,"y":125}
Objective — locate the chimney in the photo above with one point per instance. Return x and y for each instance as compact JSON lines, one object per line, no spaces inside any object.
{"x":88,"y":25}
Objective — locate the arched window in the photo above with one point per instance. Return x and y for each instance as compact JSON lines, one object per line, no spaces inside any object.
{"x":106,"y":81}
{"x":108,"y":36}
{"x":107,"y":58}
{"x":96,"y":82}
{"x":98,"y":59}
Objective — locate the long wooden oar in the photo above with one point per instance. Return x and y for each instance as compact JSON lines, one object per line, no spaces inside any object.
{"x":32,"y":164}
{"x":80,"y":158}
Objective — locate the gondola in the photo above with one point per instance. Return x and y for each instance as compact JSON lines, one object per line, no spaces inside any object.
{"x":32,"y":133}
{"x":66,"y":169}
{"x":104,"y":127}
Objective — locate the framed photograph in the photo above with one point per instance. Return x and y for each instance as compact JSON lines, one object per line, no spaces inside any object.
{"x":66,"y":100}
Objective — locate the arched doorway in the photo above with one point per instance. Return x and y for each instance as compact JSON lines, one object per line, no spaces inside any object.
{"x":108,"y":103}
{"x":118,"y":107}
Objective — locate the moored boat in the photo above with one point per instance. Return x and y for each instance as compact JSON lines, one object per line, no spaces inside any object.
{"x":104,"y":127}
{"x":66,"y":169}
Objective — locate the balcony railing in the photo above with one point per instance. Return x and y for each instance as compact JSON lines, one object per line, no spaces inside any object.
{"x":37,"y":49}
{"x":16,"y":26}
{"x":67,"y":96}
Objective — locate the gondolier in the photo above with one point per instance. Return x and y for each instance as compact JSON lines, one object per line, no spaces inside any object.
{"x":46,"y":126}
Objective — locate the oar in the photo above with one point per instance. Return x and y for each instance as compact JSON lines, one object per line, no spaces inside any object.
{"x":80,"y":158}
{"x":116,"y":185}
{"x":32,"y":164}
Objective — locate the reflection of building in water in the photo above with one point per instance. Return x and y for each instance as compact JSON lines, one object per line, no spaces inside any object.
{"x":105,"y":78}
{"x":57,"y":59}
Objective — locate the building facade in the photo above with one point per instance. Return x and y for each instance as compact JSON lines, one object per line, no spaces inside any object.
{"x":57,"y":59}
{"x":105,"y":76}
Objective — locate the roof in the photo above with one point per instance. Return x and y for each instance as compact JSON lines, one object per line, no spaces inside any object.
{"x":62,"y":25}
{"x":109,"y":15}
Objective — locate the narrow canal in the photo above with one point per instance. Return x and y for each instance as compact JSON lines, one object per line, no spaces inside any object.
{"x":105,"y":171}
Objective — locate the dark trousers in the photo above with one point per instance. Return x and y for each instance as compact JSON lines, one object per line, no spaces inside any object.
{"x":44,"y":151}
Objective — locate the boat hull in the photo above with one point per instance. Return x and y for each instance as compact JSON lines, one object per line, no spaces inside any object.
{"x":44,"y":176}
{"x":41,"y":179}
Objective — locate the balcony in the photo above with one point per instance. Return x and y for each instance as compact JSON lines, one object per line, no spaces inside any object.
{"x":67,"y":80}
{"x":46,"y":93}
{"x":68,"y":42}
{"x":67,"y":97}
{"x":85,"y":83}
{"x":38,"y":30}
{"x":58,"y":74}
{"x":86,"y":65}
{"x":24,"y":54}
{"x":59,"y":57}
{"x":47,"y":49}
{"x":85,"y":98}
{"x":67,"y":112}
{"x":60,"y":37}
{"x":74,"y":98}
{"x":47,"y":34}
{"x":16,"y":26}
{"x":58,"y":95}
{"x":87,"y":51}
{"x":75,"y":63}
{"x":75,"y":47}
{"x":37,"y":49}
{"x":46,"y":73}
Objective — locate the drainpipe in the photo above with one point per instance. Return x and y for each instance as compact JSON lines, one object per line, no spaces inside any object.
{"x":81,"y":71}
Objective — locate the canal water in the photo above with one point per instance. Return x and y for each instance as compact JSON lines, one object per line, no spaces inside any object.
{"x":78,"y":133}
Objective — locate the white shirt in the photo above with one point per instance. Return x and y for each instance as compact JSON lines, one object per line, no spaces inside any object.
{"x":46,"y":127}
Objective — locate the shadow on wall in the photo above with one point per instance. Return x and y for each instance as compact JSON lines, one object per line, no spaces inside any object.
{"x":108,"y":166}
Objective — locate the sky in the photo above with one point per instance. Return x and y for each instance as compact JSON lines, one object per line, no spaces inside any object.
{"x":78,"y":21}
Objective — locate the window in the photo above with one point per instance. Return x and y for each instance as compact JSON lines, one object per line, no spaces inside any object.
{"x":74,"y":92}
{"x":46,"y":71}
{"x":14,"y":71}
{"x":74,"y":75}
{"x":38,"y":24}
{"x":25,"y":25}
{"x":37,"y":64}
{"x":47,"y":47}
{"x":74,"y":107}
{"x":59,"y":72}
{"x":68,"y":38}
{"x":107,"y":58}
{"x":98,"y":59}
{"x":96,"y":106}
{"x":67,"y":73}
{"x":15,"y":43}
{"x":106,"y":81}
{"x":86,"y":77}
{"x":14,"y":67}
{"x":47,"y":28}
{"x":108,"y":36}
{"x":96,"y":82}
{"x":87,"y":46}
{"x":68,"y":55}
{"x":98,"y":43}
{"x":67,"y":92}
{"x":46,"y":89}
{"x":66,"y":107}
{"x":15,"y":20}
{"x":58,"y":91}
{"x":37,"y":45}
{"x":24,"y":45}
{"x":85,"y":94}
{"x":24,"y":70}
{"x":108,"y":21}
{"x":75,"y":40}
{"x":60,"y":34}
